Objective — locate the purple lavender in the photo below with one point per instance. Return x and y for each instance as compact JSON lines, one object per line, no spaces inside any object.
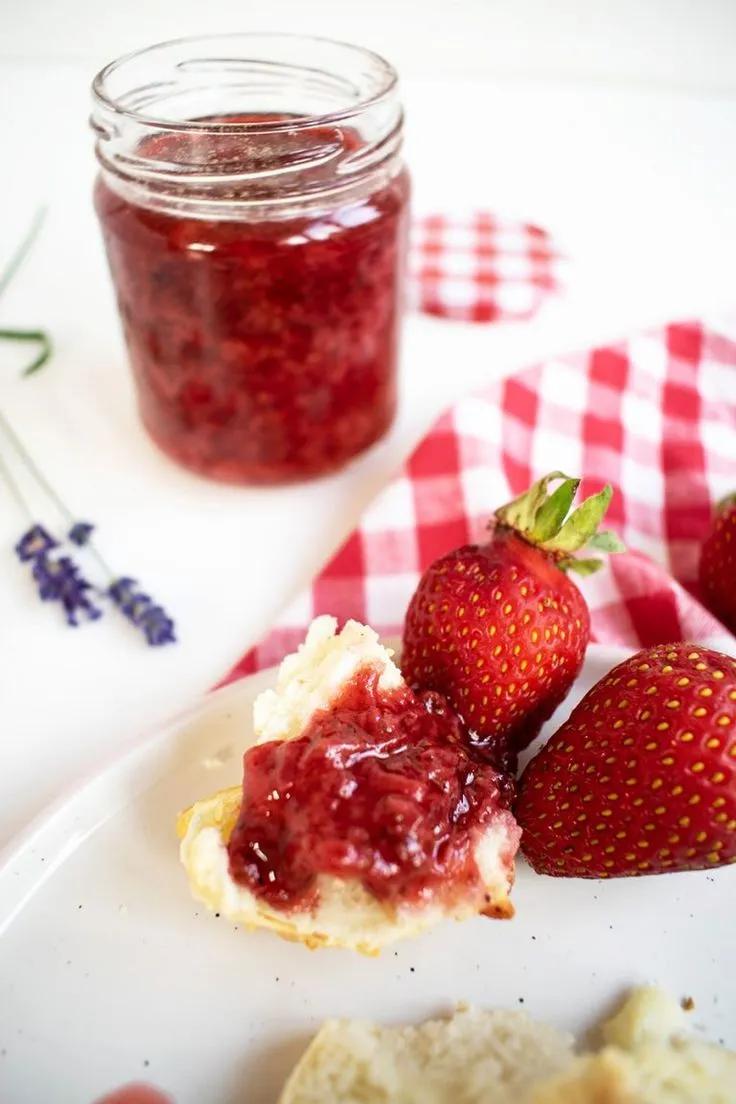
{"x":34,"y":542}
{"x":142,"y":612}
{"x":80,"y":533}
{"x":58,"y":577}
{"x":58,"y":580}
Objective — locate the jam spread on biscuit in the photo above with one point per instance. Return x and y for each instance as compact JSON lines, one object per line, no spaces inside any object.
{"x":381,"y":787}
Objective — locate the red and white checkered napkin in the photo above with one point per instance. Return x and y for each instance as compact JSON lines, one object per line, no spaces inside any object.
{"x":654,"y":416}
{"x":481,"y":268}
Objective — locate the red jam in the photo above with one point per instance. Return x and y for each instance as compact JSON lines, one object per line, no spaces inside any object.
{"x":264,"y":350}
{"x":382,"y":788}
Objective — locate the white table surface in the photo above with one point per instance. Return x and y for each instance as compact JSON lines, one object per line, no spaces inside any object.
{"x":636,"y":179}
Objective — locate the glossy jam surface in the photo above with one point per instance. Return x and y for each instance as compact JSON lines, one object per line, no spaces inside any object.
{"x":382,"y":788}
{"x":264,"y":349}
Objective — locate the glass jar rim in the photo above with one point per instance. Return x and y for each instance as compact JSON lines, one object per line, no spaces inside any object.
{"x":193,"y":126}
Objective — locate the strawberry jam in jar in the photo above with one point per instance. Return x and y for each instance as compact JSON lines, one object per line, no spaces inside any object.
{"x":254,"y":204}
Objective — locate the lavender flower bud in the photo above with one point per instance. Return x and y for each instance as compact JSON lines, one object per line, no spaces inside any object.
{"x":142,"y":612}
{"x":35,"y":542}
{"x":80,"y":533}
{"x":59,"y":580}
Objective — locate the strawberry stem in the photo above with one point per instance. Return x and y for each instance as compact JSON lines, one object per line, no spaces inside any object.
{"x":542,"y":517}
{"x":726,"y":503}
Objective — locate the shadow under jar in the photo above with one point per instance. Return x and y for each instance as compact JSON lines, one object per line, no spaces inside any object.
{"x":254,"y":208}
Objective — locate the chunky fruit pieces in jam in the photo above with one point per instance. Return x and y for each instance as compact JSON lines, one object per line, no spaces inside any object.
{"x":382,"y":788}
{"x":263,"y":350}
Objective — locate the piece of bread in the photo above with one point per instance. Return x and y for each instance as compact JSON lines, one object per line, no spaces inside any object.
{"x":472,"y":1057}
{"x":477,"y":1057}
{"x":347,"y":915}
{"x":649,"y":1058}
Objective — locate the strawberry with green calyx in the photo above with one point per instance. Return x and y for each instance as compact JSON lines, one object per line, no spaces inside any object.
{"x":717,"y":571}
{"x":498,"y":628}
{"x":641,"y":779}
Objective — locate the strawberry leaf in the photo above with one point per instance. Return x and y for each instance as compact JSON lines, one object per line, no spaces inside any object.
{"x":522,"y":511}
{"x":552,"y":513}
{"x":582,"y":523}
{"x":581,"y":567}
{"x":542,"y":519}
{"x":607,"y":541}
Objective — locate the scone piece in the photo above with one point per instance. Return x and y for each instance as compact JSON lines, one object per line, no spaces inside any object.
{"x":341,"y":911}
{"x":313,"y":676}
{"x":648,"y":1059}
{"x":474,"y":1057}
{"x":479,"y":1057}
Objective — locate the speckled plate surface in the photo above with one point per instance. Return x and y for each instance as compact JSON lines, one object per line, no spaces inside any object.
{"x":110,"y":973}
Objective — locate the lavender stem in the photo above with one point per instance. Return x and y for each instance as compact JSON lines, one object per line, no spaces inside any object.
{"x":15,"y":490}
{"x":23,"y":249}
{"x":26,"y":458}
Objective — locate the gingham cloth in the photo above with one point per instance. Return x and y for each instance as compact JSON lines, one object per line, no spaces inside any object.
{"x":481,"y":268}
{"x":654,"y":416}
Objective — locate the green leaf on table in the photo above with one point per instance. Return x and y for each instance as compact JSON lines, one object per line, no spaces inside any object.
{"x":40,"y":338}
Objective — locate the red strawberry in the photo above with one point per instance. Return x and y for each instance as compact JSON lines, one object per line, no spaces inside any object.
{"x":718,"y":565}
{"x":498,"y":628}
{"x":642,"y":777}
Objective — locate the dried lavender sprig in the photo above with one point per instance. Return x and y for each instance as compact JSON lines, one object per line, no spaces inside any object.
{"x":57,"y":579}
{"x":142,"y":612}
{"x":75,"y":528}
{"x":60,"y":580}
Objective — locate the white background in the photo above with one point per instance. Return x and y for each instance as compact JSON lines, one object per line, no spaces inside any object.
{"x":611,"y":123}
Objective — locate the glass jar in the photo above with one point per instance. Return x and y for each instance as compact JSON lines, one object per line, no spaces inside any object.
{"x":254,"y":204}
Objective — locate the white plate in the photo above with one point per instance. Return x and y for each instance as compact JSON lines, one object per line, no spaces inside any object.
{"x":109,"y":972}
